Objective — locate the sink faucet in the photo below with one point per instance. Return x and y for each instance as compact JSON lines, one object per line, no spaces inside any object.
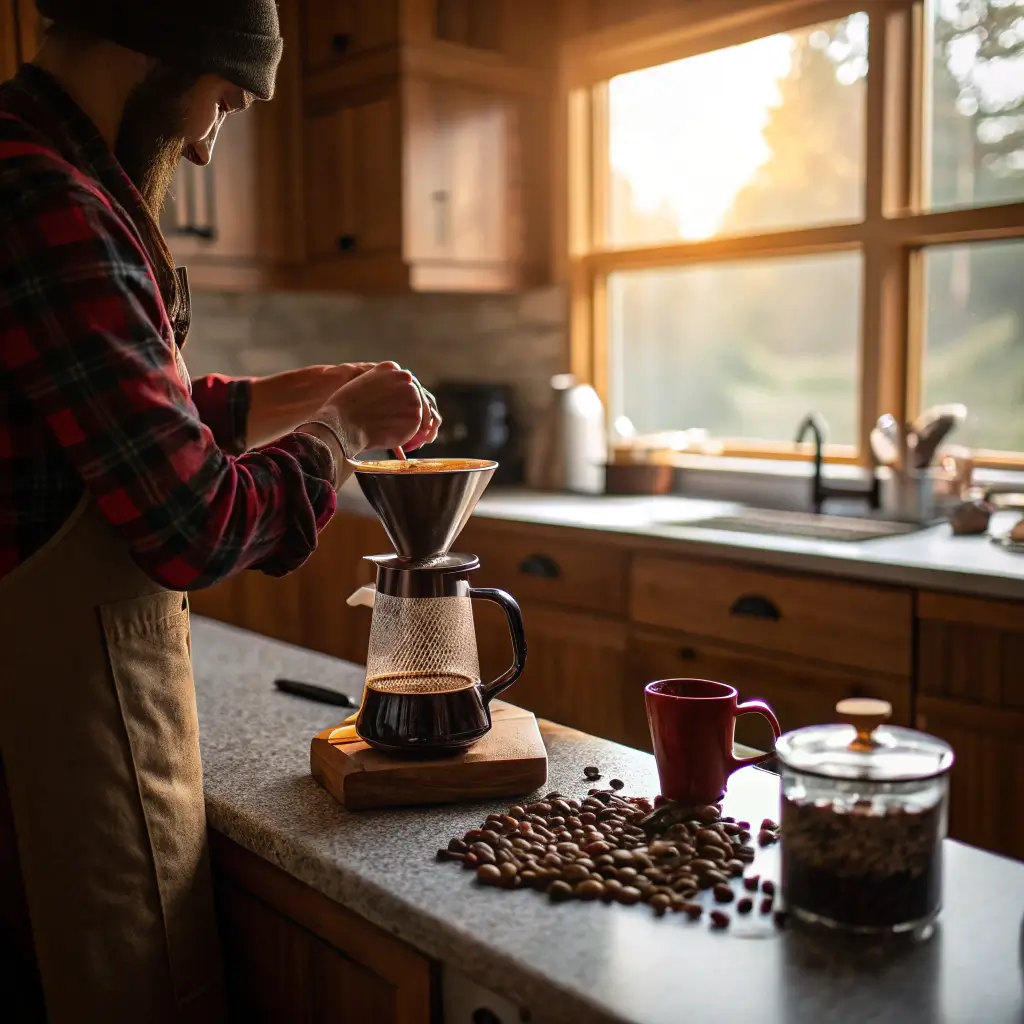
{"x":820,"y":491}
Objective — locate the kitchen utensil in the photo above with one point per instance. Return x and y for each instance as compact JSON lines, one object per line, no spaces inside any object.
{"x":932,"y":427}
{"x":479,"y":424}
{"x":864,"y":809}
{"x":569,"y":448}
{"x":424,"y":504}
{"x":882,"y":447}
{"x":423,"y":693}
{"x":890,"y":429}
{"x":509,"y":761}
{"x":692,"y":724}
{"x":910,"y":495}
{"x":322,"y":694}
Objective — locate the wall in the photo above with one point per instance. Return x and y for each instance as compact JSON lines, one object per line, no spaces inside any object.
{"x":515,"y":339}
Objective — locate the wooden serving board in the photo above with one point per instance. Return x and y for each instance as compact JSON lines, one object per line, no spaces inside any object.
{"x":509,"y":761}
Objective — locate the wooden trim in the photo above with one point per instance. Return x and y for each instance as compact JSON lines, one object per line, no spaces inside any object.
{"x":974,"y":224}
{"x":582,"y":345}
{"x":600,"y":171}
{"x":706,"y":25}
{"x":971,"y":611}
{"x":998,"y":722}
{"x":796,"y":242}
{"x":390,"y":958}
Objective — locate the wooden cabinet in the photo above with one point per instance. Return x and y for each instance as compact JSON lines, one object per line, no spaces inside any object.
{"x":575,"y":667}
{"x":851,"y":624}
{"x":291,"y":954}
{"x":971,"y":693}
{"x":21,"y":32}
{"x":420,"y":145}
{"x":799,"y":691}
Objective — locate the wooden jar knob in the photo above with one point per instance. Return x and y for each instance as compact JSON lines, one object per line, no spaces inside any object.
{"x":865,"y":715}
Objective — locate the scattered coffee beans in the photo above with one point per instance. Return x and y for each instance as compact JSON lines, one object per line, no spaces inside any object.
{"x":615,"y":849}
{"x":592,"y":772}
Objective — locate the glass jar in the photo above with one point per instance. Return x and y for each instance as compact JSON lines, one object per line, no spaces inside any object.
{"x":864,"y":808}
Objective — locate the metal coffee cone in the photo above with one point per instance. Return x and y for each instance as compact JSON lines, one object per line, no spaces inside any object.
{"x":424,"y":509}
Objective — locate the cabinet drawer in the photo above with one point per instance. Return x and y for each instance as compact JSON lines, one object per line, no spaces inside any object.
{"x":799,"y":693}
{"x":843,"y":623}
{"x":540,"y":566}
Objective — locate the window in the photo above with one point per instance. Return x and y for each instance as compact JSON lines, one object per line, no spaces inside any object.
{"x":820,"y":213}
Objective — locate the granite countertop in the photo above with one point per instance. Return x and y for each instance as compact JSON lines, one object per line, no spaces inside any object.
{"x":576,"y":961}
{"x":930,"y":558}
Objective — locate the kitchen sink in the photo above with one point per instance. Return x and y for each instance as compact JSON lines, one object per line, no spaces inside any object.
{"x":802,"y":524}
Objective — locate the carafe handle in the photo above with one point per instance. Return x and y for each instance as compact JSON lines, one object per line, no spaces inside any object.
{"x":515,"y":627}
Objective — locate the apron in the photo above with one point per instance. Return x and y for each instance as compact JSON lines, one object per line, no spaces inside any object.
{"x":100,"y":746}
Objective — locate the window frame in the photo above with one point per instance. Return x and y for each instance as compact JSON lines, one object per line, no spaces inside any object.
{"x":895,"y":232}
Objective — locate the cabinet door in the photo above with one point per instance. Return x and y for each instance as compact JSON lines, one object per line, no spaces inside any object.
{"x":353,"y":167}
{"x":970,"y":693}
{"x":799,"y":692}
{"x":460,"y":195}
{"x":575,"y":667}
{"x":336,"y":29}
{"x":10,"y":48}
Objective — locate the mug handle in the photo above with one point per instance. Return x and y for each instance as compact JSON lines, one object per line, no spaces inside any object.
{"x":756,"y":707}
{"x":515,"y":627}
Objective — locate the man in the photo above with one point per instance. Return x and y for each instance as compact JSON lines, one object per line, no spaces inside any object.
{"x":120,"y":490}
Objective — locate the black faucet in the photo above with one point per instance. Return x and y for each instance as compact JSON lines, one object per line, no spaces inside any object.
{"x":820,"y":491}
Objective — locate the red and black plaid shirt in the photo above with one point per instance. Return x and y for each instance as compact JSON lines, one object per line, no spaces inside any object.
{"x":90,"y":397}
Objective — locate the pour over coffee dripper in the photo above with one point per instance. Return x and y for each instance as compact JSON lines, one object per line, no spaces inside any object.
{"x":423,"y":693}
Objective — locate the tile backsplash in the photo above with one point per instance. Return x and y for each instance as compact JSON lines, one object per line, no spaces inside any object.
{"x":520,"y":340}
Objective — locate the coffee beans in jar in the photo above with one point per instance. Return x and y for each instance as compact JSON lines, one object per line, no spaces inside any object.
{"x":863,"y":819}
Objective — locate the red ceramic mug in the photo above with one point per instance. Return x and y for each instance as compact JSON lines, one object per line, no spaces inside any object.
{"x":693,"y":722}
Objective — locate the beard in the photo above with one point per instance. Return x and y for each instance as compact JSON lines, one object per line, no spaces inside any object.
{"x":149,"y":141}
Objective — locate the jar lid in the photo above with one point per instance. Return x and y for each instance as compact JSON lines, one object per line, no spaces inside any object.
{"x":864,"y":748}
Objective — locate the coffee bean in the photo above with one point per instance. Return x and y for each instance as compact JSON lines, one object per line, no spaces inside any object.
{"x":493,"y":826}
{"x":449,"y":855}
{"x":768,"y":887}
{"x":744,"y":836}
{"x":626,"y":875}
{"x":751,"y":882}
{"x":723,"y":893}
{"x":766,"y":838}
{"x":469,"y":862}
{"x":660,"y":903}
{"x":560,"y":806}
{"x":592,"y":772}
{"x":596,"y":847}
{"x":457,"y":845}
{"x":731,"y":829}
{"x":616,"y":783}
{"x":662,"y":849}
{"x":709,"y":837}
{"x":735,"y":868}
{"x":559,"y":891}
{"x":544,"y":833}
{"x":701,"y":865}
{"x":483,"y":853}
{"x":517,"y":812}
{"x":574,"y":873}
{"x":553,"y":795}
{"x":692,"y":910}
{"x":628,"y":895}
{"x":707,"y":813}
{"x":556,"y":822}
{"x":508,"y":870}
{"x":590,"y":889}
{"x":503,"y":857}
{"x":488,"y":874}
{"x":743,"y":825}
{"x":710,"y":878}
{"x":770,"y":825}
{"x":685,"y":882}
{"x":745,"y":905}
{"x":568,"y":849}
{"x":572,"y":822}
{"x":540,"y":807}
{"x":715,"y":853}
{"x":719,"y":919}
{"x":766,"y":905}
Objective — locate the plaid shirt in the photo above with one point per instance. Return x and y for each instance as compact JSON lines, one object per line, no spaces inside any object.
{"x":90,"y":397}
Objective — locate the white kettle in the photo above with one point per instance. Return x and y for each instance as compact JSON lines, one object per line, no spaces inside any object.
{"x":571,"y":445}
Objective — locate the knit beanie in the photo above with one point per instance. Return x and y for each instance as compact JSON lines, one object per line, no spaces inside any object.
{"x":240,"y":40}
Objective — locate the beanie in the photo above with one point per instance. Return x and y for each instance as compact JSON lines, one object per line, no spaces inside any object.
{"x":240,"y":40}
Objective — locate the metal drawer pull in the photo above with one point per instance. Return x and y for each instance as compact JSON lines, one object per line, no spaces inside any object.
{"x":340,"y":41}
{"x":540,"y":565}
{"x":753,"y":606}
{"x":346,"y":242}
{"x":687,"y":653}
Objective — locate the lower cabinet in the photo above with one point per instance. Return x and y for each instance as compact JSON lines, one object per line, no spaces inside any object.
{"x":800,"y":692}
{"x":971,"y":694}
{"x":291,"y":954}
{"x":575,"y":667}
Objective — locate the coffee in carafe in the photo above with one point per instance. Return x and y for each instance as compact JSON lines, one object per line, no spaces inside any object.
{"x":423,"y":693}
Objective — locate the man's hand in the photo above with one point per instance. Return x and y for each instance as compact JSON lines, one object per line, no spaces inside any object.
{"x":279,"y":403}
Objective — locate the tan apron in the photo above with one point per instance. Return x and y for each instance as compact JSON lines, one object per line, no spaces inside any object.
{"x":100,"y":747}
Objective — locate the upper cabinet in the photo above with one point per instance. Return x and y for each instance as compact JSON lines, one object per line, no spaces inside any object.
{"x":426,"y":133}
{"x":407,"y":148}
{"x":21,"y":31}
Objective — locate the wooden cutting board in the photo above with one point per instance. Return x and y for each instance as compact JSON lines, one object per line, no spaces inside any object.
{"x":509,"y":761}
